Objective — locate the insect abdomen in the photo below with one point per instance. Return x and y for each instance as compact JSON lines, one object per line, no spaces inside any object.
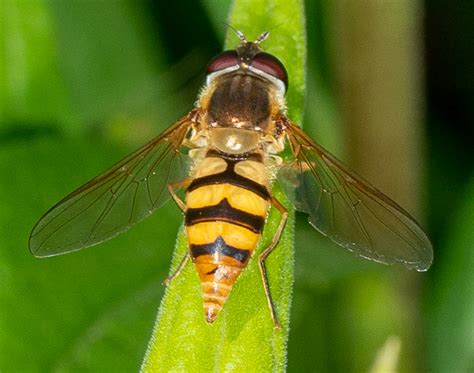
{"x":225,"y":216}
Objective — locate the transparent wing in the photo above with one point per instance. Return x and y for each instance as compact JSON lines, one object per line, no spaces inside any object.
{"x":347,"y":209}
{"x":115,"y":200}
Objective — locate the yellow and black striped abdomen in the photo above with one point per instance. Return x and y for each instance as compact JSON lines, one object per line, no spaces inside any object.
{"x":225,"y":215}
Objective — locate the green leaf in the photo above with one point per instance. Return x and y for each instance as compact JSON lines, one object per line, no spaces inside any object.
{"x":92,"y":309}
{"x":451,"y":335}
{"x":88,"y":310}
{"x":243,"y":337}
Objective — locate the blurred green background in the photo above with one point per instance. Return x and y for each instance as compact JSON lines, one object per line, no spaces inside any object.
{"x":390,"y":91}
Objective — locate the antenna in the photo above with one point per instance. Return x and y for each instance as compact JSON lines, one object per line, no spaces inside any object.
{"x":262,"y":37}
{"x":239,"y":34}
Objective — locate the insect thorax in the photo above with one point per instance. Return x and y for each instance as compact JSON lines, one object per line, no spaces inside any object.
{"x":238,"y":115}
{"x":240,"y":101}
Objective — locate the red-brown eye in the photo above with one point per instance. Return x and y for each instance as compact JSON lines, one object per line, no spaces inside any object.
{"x":223,"y":61}
{"x":270,"y":65}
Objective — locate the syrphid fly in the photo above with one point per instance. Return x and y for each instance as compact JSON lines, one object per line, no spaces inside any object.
{"x":226,"y":155}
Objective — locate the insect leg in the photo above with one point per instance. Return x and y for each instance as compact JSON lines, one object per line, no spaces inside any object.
{"x":263,"y":256}
{"x":175,"y":274}
{"x":172,"y":187}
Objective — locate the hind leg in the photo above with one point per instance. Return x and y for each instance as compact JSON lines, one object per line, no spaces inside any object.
{"x":263,"y":256}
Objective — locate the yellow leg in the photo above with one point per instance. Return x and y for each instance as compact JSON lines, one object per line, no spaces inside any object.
{"x":182,"y":206}
{"x":175,"y":274}
{"x":263,"y":256}
{"x":172,"y":187}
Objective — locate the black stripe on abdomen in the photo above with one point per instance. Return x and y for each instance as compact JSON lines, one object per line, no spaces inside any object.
{"x":220,"y":246}
{"x":229,"y":176}
{"x":223,"y":211}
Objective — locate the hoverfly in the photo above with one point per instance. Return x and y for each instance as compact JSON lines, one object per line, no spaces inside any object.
{"x":233,"y":138}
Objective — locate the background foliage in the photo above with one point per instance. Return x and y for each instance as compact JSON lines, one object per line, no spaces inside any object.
{"x":84,"y":83}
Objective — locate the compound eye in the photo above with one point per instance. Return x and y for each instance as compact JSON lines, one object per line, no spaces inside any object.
{"x":223,"y":61}
{"x":271,"y":65}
